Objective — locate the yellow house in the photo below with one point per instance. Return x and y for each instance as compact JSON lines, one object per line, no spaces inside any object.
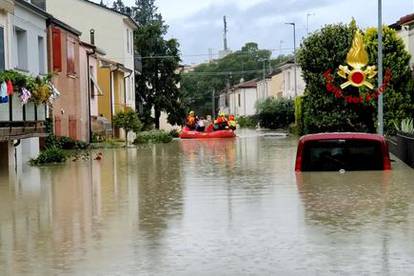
{"x":111,"y":79}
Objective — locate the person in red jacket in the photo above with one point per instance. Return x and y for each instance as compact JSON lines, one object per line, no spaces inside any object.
{"x":221,"y":122}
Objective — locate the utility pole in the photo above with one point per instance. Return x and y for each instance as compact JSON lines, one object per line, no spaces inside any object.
{"x":225,"y":33}
{"x":214,"y":104}
{"x":264,"y":78}
{"x":380,"y":72}
{"x":294,"y":55}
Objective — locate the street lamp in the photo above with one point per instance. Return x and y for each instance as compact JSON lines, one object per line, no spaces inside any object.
{"x":380,"y":72}
{"x":294,"y":54}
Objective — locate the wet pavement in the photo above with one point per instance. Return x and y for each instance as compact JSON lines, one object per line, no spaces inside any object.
{"x":214,"y":207}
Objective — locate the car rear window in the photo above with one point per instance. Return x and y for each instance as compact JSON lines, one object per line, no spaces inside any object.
{"x":335,"y":155}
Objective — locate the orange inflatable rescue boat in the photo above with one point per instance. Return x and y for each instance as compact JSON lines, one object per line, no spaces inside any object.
{"x":192,"y":134}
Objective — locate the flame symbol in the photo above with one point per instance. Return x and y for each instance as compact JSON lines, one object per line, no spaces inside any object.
{"x":357,"y":56}
{"x":357,"y":59}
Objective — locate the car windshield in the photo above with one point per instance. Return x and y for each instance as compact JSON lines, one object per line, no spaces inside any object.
{"x":335,"y":155}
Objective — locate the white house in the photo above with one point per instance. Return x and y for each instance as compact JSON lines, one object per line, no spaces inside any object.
{"x":22,"y":48}
{"x":288,"y":85}
{"x":405,"y":29}
{"x":113,"y":33}
{"x":242,"y":99}
{"x":264,"y":88}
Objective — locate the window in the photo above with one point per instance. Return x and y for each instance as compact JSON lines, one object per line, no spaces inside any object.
{"x":41,"y":49}
{"x":57,"y":50}
{"x":70,"y":56}
{"x":239,"y":99}
{"x":21,"y":41}
{"x":2,"y":62}
{"x":333,"y":155}
{"x":288,"y":81}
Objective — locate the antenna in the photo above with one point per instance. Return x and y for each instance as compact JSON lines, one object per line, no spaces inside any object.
{"x":225,"y":33}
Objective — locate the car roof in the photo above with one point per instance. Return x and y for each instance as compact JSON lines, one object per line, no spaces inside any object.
{"x":342,"y":135}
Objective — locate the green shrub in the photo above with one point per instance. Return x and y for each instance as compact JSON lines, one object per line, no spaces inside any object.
{"x":275,"y":113}
{"x":405,"y":127}
{"x":128,"y":120}
{"x":247,"y":121}
{"x":64,"y":142}
{"x":297,"y":127}
{"x":153,"y":136}
{"x":174,"y":133}
{"x":50,"y":155}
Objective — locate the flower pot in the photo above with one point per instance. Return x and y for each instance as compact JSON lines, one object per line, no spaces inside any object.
{"x":405,"y":148}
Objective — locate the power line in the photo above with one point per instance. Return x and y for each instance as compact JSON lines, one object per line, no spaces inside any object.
{"x":225,"y":73}
{"x":214,"y":54}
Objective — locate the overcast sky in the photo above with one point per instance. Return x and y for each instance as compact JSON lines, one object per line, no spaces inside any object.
{"x":198,"y":25}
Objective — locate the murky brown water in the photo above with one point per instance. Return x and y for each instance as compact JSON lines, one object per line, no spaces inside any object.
{"x":223,"y":207}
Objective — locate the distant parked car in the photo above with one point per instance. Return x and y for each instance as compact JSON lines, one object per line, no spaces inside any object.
{"x":342,"y":151}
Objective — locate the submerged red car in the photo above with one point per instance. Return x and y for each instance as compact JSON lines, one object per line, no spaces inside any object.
{"x":342,"y":151}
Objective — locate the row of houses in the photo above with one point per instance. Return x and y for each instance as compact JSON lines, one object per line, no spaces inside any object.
{"x":241,"y":98}
{"x":89,"y":50}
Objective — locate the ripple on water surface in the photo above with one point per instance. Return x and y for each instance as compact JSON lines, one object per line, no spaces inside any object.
{"x":205,"y":207}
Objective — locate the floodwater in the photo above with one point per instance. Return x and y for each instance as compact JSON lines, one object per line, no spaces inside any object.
{"x":214,"y":207}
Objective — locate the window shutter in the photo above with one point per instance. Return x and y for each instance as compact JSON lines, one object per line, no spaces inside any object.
{"x":2,"y":63}
{"x":70,"y":56}
{"x":57,"y":50}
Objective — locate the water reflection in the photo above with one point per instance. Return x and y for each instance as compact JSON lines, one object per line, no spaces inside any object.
{"x":214,"y":207}
{"x":368,"y":216}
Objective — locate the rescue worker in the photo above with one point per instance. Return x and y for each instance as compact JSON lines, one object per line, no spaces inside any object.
{"x":232,"y":122}
{"x":191,"y":121}
{"x":221,"y":122}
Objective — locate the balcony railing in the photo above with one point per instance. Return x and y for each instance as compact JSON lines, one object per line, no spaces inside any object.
{"x":19,"y":121}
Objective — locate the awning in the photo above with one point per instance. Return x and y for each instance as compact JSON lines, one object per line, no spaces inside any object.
{"x":95,"y":83}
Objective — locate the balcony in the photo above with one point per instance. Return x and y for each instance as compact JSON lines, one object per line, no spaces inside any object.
{"x":19,"y":121}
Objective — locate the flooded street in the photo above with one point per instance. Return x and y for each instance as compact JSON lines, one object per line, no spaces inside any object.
{"x":213,"y":207}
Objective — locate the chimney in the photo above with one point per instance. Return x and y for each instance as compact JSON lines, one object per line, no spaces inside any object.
{"x":92,"y":36}
{"x":39,"y":3}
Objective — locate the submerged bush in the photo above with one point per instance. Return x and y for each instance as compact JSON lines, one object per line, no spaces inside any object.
{"x":275,"y":113}
{"x":175,"y":133}
{"x":153,"y":136}
{"x":50,"y":155}
{"x":64,"y":142}
{"x":247,"y":121}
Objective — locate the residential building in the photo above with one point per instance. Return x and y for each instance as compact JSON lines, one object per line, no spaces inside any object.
{"x":113,"y":33}
{"x":22,"y":48}
{"x":242,"y":98}
{"x":89,"y":56}
{"x":288,"y":74}
{"x":264,"y":88}
{"x":405,"y":29}
{"x":70,"y":111}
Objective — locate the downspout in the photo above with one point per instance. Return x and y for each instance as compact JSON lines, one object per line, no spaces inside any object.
{"x":111,"y":71}
{"x":88,"y":54}
{"x":125,"y":92}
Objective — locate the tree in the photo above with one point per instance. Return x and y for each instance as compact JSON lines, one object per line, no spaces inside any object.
{"x":118,"y":5}
{"x":245,"y":64}
{"x":129,"y":121}
{"x":398,"y":98}
{"x":327,"y":49}
{"x":156,"y":86}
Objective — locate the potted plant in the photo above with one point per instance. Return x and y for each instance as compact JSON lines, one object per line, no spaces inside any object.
{"x":403,"y":142}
